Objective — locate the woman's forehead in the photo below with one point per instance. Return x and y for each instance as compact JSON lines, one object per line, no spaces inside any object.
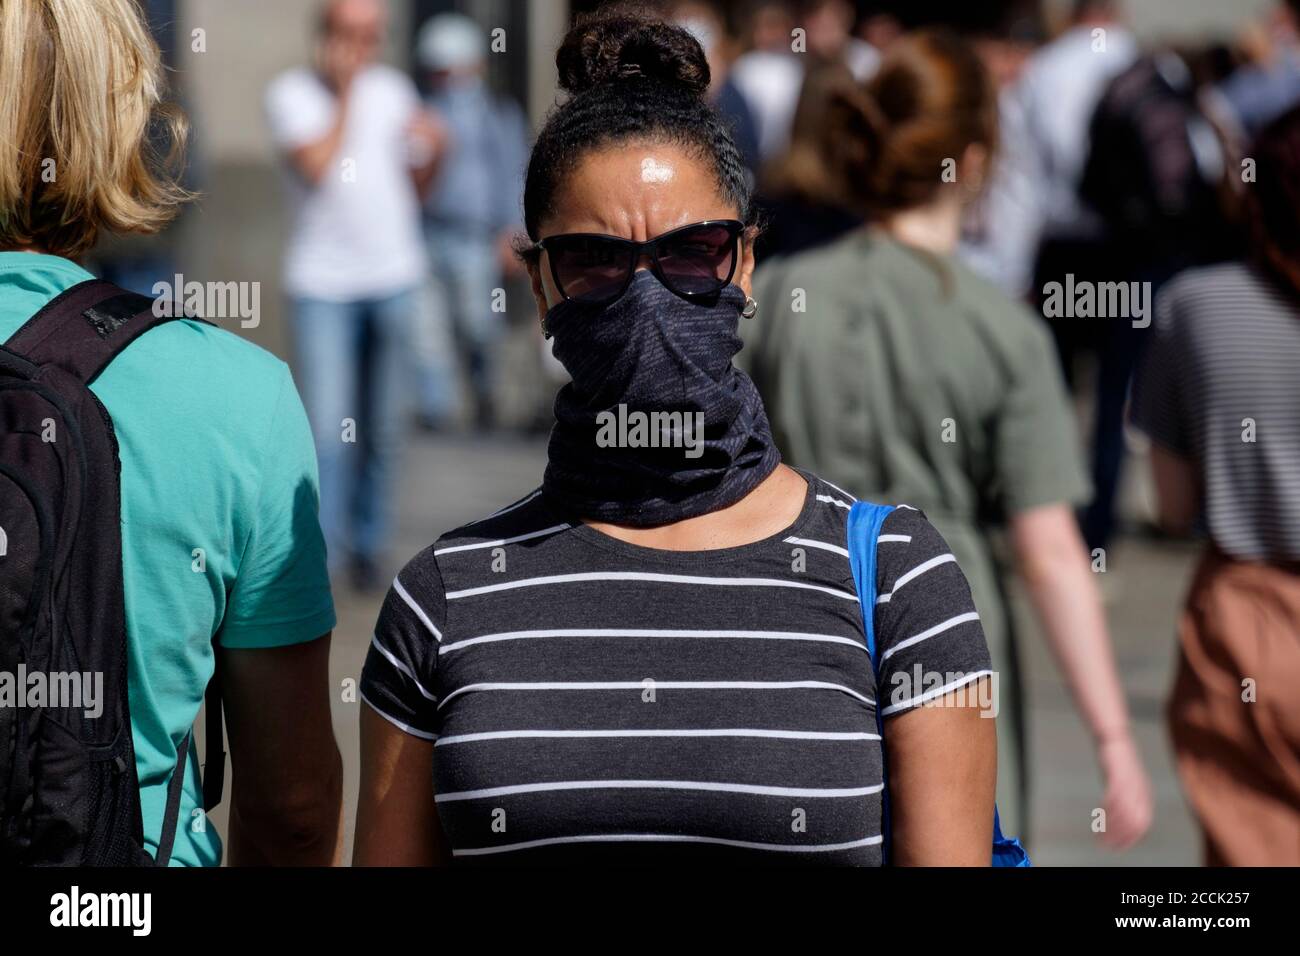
{"x":637,"y":190}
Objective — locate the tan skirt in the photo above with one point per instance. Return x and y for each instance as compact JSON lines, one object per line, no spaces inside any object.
{"x":1235,"y":711}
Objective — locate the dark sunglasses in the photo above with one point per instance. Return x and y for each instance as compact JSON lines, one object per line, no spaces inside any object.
{"x":694,"y":261}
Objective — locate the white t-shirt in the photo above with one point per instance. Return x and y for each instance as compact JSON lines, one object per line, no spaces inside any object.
{"x":356,"y":234}
{"x":770,"y":83}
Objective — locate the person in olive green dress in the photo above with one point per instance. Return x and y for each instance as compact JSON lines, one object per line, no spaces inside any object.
{"x":902,"y":377}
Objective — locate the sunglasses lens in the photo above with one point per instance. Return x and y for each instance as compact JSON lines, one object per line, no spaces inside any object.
{"x":589,"y":268}
{"x":698,"y":260}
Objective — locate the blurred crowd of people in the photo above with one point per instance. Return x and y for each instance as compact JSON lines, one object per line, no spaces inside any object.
{"x":926,"y":184}
{"x":403,"y":213}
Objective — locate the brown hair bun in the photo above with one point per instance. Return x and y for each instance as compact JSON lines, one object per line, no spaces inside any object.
{"x":611,"y":47}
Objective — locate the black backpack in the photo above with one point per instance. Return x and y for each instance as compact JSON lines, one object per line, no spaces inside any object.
{"x":69,"y":794}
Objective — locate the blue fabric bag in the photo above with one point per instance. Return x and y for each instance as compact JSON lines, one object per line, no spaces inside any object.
{"x":865,"y":520}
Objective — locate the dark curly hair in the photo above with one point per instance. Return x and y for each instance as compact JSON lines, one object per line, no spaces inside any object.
{"x":629,"y":77}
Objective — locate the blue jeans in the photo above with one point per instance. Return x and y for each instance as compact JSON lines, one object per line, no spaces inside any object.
{"x":465,"y":274}
{"x":353,"y":363}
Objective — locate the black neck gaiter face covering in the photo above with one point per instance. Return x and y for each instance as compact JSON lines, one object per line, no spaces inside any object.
{"x":656,"y":425}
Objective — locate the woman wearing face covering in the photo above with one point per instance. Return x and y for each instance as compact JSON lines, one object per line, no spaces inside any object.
{"x":658,"y":655}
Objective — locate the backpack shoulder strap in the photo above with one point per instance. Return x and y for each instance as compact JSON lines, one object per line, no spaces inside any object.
{"x":865,"y":519}
{"x":84,"y":328}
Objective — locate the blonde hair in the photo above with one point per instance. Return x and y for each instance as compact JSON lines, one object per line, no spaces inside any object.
{"x":81,"y":94}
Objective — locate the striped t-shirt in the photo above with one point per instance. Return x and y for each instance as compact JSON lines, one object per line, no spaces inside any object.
{"x":596,"y":701}
{"x":1220,"y":384}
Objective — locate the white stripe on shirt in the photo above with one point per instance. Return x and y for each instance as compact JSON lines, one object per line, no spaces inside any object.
{"x":936,"y":692}
{"x":839,"y":489}
{"x":645,"y":576}
{"x":828,"y":499}
{"x":916,"y":572}
{"x":503,"y":541}
{"x":697,"y":785}
{"x":822,"y":545}
{"x":855,"y":642}
{"x":419,"y":611}
{"x":668,"y":838}
{"x":509,"y":508}
{"x":658,"y":685}
{"x":931,"y":632}
{"x":374,"y":640}
{"x":422,"y":734}
{"x":655,"y":732}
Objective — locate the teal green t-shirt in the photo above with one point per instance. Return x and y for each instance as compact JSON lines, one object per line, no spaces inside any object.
{"x":219,"y":522}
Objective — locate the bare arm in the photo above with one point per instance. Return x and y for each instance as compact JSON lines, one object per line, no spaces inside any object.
{"x":286,"y":801}
{"x":338,"y":64}
{"x":1054,"y":565}
{"x":1178,"y":493}
{"x":311,"y":160}
{"x":943,"y":766}
{"x":429,"y":137}
{"x":397,"y":820}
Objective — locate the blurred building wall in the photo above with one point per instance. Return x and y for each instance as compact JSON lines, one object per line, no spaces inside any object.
{"x":1184,"y":19}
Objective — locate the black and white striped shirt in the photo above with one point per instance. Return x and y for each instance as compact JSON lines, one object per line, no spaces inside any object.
{"x":1220,"y":384}
{"x":595,"y":701}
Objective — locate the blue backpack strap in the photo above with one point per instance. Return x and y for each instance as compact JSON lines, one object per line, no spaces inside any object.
{"x":865,"y":520}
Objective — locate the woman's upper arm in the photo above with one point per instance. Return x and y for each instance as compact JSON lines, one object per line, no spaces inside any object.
{"x":935,"y":694}
{"x":397,"y":820}
{"x":942,"y":780}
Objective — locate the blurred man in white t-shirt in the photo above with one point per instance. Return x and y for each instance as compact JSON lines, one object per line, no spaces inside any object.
{"x":361,"y":154}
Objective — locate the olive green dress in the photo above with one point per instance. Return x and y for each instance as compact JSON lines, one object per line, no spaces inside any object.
{"x":904,"y":378}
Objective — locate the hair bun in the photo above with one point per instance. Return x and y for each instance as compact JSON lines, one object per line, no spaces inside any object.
{"x":620,"y":46}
